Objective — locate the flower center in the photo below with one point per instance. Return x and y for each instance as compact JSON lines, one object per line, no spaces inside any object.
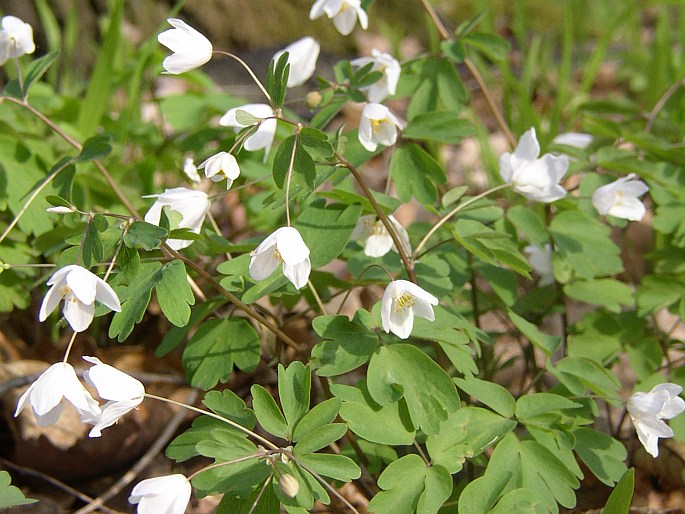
{"x":405,"y":301}
{"x":277,"y":255}
{"x":378,"y":229}
{"x":377,"y":125}
{"x":65,"y":291}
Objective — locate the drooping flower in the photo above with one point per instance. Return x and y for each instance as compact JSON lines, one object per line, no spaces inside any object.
{"x":16,"y":39}
{"x":620,"y":198}
{"x":191,"y":49}
{"x":47,"y":394}
{"x":285,"y":246}
{"x":378,"y":126}
{"x":648,"y":410}
{"x":263,"y":137}
{"x":122,"y":392}
{"x":536,"y":179}
{"x":541,"y":262}
{"x":377,"y":240}
{"x":402,"y":301}
{"x":190,"y":170}
{"x":343,"y":12}
{"x":79,"y":288}
{"x":386,"y":64}
{"x":169,"y":494}
{"x":221,"y":166}
{"x":191,"y":204}
{"x":302,"y":56}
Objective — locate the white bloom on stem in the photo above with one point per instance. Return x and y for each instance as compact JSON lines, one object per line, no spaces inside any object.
{"x":191,"y":49}
{"x":190,"y":170}
{"x":402,"y":301}
{"x":284,"y":246}
{"x":378,"y":126}
{"x":79,"y":288}
{"x":377,"y":240}
{"x":302,"y":56}
{"x":648,"y":410}
{"x":386,"y":64}
{"x":221,"y":166}
{"x":577,"y":139}
{"x":60,"y":209}
{"x":620,"y":198}
{"x":343,"y":12}
{"x":47,"y":394}
{"x":191,"y":204}
{"x":16,"y":39}
{"x":263,"y":137}
{"x":541,"y":262}
{"x":122,"y":392}
{"x":169,"y":494}
{"x":536,"y":179}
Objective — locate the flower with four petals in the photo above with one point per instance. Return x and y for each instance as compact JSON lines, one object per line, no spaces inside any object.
{"x":378,"y":126}
{"x":191,"y":49}
{"x":402,"y":300}
{"x":221,"y":166}
{"x":377,"y":241}
{"x":284,"y":246}
{"x":620,"y":198}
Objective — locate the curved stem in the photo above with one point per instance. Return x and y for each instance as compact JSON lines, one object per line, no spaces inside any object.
{"x":69,"y":345}
{"x":476,"y":75}
{"x":235,"y":425}
{"x":249,"y":70}
{"x":661,"y":102}
{"x":289,"y":175}
{"x":381,"y":215}
{"x":316,"y":297}
{"x":228,"y":463}
{"x":458,"y":208}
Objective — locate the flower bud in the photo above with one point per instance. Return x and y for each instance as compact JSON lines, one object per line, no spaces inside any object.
{"x":289,"y":485}
{"x":313,"y":99}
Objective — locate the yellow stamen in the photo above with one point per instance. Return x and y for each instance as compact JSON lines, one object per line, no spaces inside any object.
{"x":377,"y":125}
{"x":277,"y":255}
{"x":405,"y":301}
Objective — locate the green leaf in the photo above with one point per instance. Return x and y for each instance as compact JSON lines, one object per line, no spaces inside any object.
{"x":489,"y":393}
{"x":586,"y":245}
{"x":621,"y":497}
{"x":453,"y":195}
{"x":408,"y":486}
{"x":294,"y":388}
{"x":174,"y":293}
{"x":530,"y":224}
{"x":577,"y":374}
{"x":134,"y":297}
{"x":320,"y":438}
{"x":11,"y":496}
{"x":415,"y":173}
{"x":219,"y":343}
{"x":545,"y":342}
{"x":175,"y":335}
{"x":320,"y":416}
{"x":93,"y":247}
{"x":492,"y":45}
{"x":229,"y":405}
{"x":268,"y":414}
{"x":403,"y":371}
{"x":277,"y":79}
{"x":245,"y":118}
{"x":480,"y":495}
{"x":346,"y":346}
{"x":607,"y":292}
{"x":657,"y":292}
{"x":366,"y":418}
{"x":94,"y":148}
{"x":441,"y":126}
{"x":303,"y":167}
{"x":337,"y":467}
{"x":466,"y":434}
{"x":521,"y":500}
{"x":534,"y":405}
{"x":37,"y":68}
{"x":57,"y":201}
{"x":502,"y":281}
{"x":604,"y":455}
{"x":326,"y":229}
{"x":256,"y":503}
{"x":145,"y":235}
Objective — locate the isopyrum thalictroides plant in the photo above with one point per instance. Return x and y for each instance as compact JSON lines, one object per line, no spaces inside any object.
{"x":401,"y":397}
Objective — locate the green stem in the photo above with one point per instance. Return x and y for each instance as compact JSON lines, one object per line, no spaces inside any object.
{"x":249,"y":71}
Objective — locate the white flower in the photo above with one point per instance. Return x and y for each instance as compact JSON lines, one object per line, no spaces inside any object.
{"x":162,"y":495}
{"x":46,"y":395}
{"x":221,"y":166}
{"x":190,"y":170}
{"x":286,"y":246}
{"x":302,"y":56}
{"x":536,"y":179}
{"x":79,"y":288}
{"x":576,"y":139}
{"x":60,"y":209}
{"x":377,"y":241}
{"x":191,"y":49}
{"x":343,"y":12}
{"x":541,"y":262}
{"x":620,"y":198}
{"x":378,"y":126}
{"x":122,"y":391}
{"x":648,"y":410}
{"x":386,"y":64}
{"x":192,"y":205}
{"x":16,"y":39}
{"x":402,"y":301}
{"x":263,"y":137}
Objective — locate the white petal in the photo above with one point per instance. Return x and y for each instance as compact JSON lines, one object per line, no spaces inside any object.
{"x":364,"y":227}
{"x":111,"y":383}
{"x":106,"y":295}
{"x":298,"y":274}
{"x":78,"y":315}
{"x":377,"y":245}
{"x":317,"y":9}
{"x":423,"y":309}
{"x":528,"y":147}
{"x":417,"y":292}
{"x":345,"y":21}
{"x":191,"y":48}
{"x":627,"y":208}
{"x":573,"y":139}
{"x":111,"y":412}
{"x":51,"y":300}
{"x":290,"y":245}
{"x":401,"y":322}
{"x":83,"y":284}
{"x":263,"y":264}
{"x":302,"y":57}
{"x":162,"y":495}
